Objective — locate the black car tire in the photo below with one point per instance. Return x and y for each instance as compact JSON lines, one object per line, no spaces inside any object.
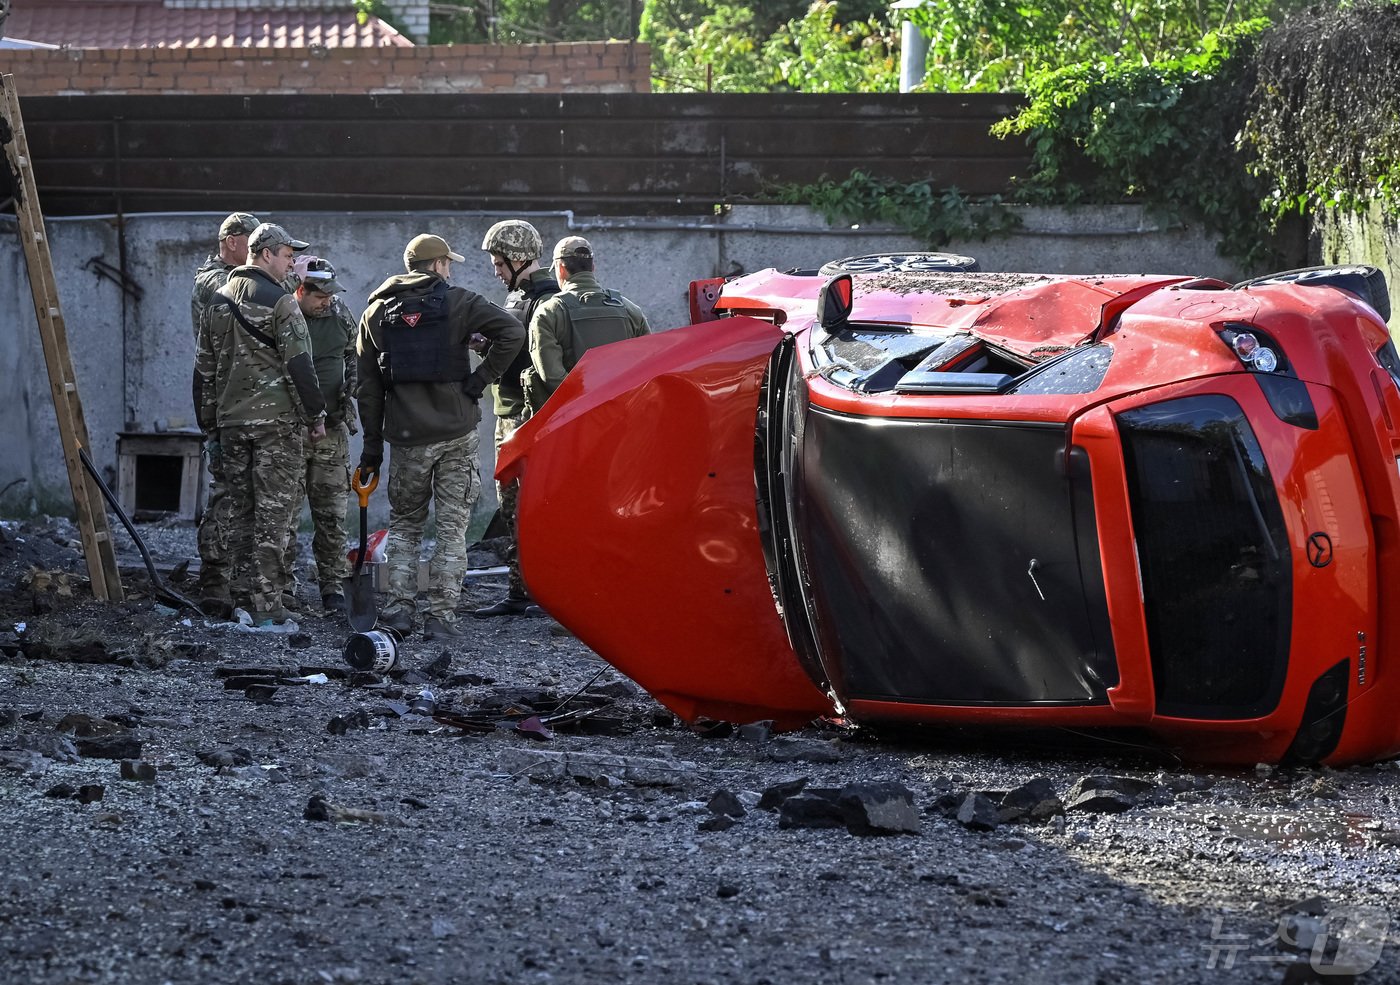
{"x":1366,"y":282}
{"x":905,"y":263}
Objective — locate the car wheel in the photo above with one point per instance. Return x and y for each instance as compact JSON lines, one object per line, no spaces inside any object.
{"x":1366,"y":282}
{"x":903,"y":263}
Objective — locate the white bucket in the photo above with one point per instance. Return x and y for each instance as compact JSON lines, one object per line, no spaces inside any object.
{"x":376,"y":651}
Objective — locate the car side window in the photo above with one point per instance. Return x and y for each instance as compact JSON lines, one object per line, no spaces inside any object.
{"x":1079,"y":371}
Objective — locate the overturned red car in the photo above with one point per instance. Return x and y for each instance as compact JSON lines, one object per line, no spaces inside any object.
{"x":903,"y":489}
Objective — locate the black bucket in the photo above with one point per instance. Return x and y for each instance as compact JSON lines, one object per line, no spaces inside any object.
{"x":376,"y":650}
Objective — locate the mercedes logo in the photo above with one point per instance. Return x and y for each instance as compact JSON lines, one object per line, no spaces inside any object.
{"x":1319,"y":550}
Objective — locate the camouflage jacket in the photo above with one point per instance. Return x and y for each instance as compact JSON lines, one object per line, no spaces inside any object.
{"x":582,"y":315}
{"x":522,"y":303}
{"x":333,"y":350}
{"x":259,"y":373}
{"x":211,"y":275}
{"x":419,"y":413}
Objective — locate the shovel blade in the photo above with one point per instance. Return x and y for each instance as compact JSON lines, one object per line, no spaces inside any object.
{"x":361,"y":601}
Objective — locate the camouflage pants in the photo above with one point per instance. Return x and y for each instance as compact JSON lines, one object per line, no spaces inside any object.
{"x":261,"y":465}
{"x":508,"y":493}
{"x":447,"y":473}
{"x":213,"y":526}
{"x":325,"y":481}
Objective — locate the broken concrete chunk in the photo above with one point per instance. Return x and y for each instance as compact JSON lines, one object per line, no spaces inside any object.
{"x":260,"y":693}
{"x":59,"y":748}
{"x":810,"y":811}
{"x":22,"y":761}
{"x":720,"y":822}
{"x":803,"y":751}
{"x":61,"y":791}
{"x":340,"y":724}
{"x":978,"y":812}
{"x":109,"y":747}
{"x":223,"y":756}
{"x":1129,"y":785}
{"x":756,"y":732}
{"x":8,"y":717}
{"x":593,"y":768}
{"x":774,"y":796}
{"x":136,"y":769}
{"x":90,"y":793}
{"x":1105,"y":801}
{"x":441,"y":665}
{"x":1033,"y":801}
{"x":725,"y":802}
{"x":318,"y":808}
{"x":879,"y":808}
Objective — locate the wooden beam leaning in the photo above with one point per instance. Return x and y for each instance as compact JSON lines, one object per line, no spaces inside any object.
{"x":72,"y":427}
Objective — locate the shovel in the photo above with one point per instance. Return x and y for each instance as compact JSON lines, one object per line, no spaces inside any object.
{"x":364,"y":605}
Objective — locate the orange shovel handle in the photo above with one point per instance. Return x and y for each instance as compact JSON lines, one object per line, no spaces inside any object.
{"x":364,"y":489}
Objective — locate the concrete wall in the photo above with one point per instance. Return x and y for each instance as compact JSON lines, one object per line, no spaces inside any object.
{"x":133,"y":358}
{"x":1373,"y":239}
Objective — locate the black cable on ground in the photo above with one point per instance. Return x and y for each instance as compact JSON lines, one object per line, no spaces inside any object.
{"x":162,"y":591}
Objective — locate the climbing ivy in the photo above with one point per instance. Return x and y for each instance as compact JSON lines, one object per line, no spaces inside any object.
{"x":1162,"y":134}
{"x":933,"y":216}
{"x":1324,"y":128}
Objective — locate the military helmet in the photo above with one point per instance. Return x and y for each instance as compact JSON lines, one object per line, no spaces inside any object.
{"x":514,"y":239}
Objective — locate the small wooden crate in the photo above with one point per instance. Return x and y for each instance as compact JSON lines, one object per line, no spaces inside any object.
{"x":161,"y":472}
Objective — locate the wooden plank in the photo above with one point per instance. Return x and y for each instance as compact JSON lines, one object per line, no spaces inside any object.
{"x":72,"y":428}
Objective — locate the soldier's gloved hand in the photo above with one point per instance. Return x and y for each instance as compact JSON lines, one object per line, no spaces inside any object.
{"x":369,"y":464}
{"x":302,"y":261}
{"x":474,"y":386}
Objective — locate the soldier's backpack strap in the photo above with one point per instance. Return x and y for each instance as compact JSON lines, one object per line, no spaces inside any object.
{"x":222,"y":300}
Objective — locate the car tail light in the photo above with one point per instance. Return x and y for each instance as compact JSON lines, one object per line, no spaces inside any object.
{"x":1254,"y":355}
{"x":1252,"y":347}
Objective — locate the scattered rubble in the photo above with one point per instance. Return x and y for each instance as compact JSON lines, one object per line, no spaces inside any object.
{"x":509,"y":805}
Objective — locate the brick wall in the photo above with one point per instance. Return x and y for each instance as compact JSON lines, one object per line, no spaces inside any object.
{"x":598,"y":66}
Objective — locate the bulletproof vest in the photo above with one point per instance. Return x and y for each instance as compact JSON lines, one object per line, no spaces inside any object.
{"x":595,"y":319}
{"x":522,"y":304}
{"x":418,"y":345}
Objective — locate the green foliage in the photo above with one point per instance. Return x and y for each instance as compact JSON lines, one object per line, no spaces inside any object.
{"x":709,"y":45}
{"x":1325,"y":127}
{"x":1162,"y":134}
{"x":997,"y":46}
{"x":930,"y":215}
{"x":530,"y":21}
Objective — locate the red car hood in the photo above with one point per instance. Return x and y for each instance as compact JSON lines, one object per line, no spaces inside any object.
{"x":637,"y":494}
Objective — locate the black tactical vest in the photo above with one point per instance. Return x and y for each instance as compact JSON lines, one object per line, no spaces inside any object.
{"x":522,"y":304}
{"x":418,"y":346}
{"x":595,"y":319}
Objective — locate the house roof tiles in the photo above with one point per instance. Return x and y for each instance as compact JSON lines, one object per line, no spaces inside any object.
{"x":150,"y":24}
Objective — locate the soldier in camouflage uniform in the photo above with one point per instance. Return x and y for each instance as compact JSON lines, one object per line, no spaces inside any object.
{"x":418,"y":390}
{"x":515,"y":248}
{"x":255,"y":386}
{"x":582,"y":315}
{"x":213,"y":584}
{"x":326,"y":479}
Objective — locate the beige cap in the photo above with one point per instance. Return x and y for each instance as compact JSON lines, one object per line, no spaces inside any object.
{"x":238,"y":224}
{"x":269,"y":236}
{"x":426,"y":246}
{"x":572,"y":246}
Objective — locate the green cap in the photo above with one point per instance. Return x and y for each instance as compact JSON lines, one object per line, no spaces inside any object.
{"x":269,"y":236}
{"x":320,"y":276}
{"x":573,"y":246}
{"x":238,"y":224}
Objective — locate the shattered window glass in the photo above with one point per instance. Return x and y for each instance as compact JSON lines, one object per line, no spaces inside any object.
{"x":1080,"y":371}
